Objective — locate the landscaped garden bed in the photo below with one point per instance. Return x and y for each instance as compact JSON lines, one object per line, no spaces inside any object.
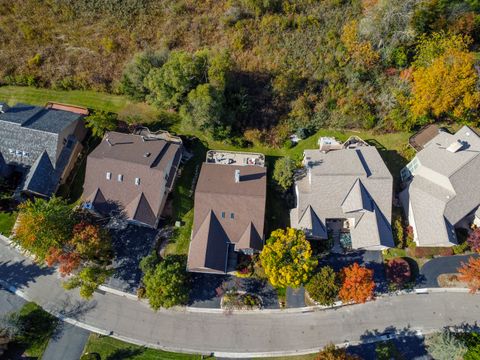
{"x":239,"y":300}
{"x":450,"y":281}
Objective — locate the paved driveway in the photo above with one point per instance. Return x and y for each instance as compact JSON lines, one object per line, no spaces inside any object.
{"x":371,"y":259}
{"x":130,"y":246}
{"x":442,"y":265}
{"x":67,"y":343}
{"x":207,"y":290}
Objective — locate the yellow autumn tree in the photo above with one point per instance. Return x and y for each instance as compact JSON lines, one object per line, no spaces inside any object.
{"x":444,"y":78}
{"x":361,"y":52}
{"x":287,"y":258}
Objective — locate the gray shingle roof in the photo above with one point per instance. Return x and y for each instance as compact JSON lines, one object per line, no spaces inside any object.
{"x":348,"y":183}
{"x":39,"y":118}
{"x":41,"y":177}
{"x":444,"y":188}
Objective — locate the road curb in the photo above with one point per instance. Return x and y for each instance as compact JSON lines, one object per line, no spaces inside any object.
{"x":239,"y":355}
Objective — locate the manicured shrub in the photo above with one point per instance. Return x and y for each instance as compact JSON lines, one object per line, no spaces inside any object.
{"x":398,"y":271}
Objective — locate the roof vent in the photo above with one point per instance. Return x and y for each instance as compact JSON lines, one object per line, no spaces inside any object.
{"x":108,"y":141}
{"x":455,"y":147}
{"x":147,"y":154}
{"x":237,"y":176}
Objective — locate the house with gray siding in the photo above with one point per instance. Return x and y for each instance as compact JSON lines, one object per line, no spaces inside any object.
{"x":442,"y":187}
{"x":41,"y":142}
{"x":344,"y":192}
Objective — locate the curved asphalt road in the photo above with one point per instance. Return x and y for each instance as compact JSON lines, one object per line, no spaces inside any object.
{"x":238,"y":334}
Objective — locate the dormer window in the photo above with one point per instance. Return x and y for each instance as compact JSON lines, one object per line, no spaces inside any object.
{"x":120,"y":177}
{"x":223,"y":214}
{"x":137,"y":181}
{"x":108,"y":176}
{"x":11,"y":151}
{"x":232,"y":216}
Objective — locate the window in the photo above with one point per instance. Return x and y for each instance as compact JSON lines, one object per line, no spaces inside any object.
{"x":232,"y":216}
{"x":223,"y":214}
{"x":108,"y":176}
{"x":166,"y":176}
{"x":137,"y":181}
{"x":120,"y":177}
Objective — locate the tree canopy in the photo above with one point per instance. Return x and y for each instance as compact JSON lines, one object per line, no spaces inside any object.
{"x":357,"y":284}
{"x":445,"y":346}
{"x":470,"y":273}
{"x":283,"y":172}
{"x":43,"y":224}
{"x":323,"y":287}
{"x":165,"y":280}
{"x":287,"y":258}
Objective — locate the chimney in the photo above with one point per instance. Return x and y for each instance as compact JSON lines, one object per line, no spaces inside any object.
{"x":237,"y":176}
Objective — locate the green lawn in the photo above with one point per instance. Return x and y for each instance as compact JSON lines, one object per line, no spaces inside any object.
{"x":91,"y":99}
{"x":113,"y":349}
{"x":7,"y":220}
{"x":36,"y":328}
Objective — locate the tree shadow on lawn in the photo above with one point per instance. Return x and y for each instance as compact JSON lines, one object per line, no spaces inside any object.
{"x":20,"y":274}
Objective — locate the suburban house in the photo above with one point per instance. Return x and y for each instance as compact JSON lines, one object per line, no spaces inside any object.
{"x":229,"y":211}
{"x":442,"y":187}
{"x":40,"y":142}
{"x":131,"y":175}
{"x":344,"y":192}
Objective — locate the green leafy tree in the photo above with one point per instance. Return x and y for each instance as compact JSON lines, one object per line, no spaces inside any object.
{"x":165,"y":281}
{"x":283,"y":172}
{"x":43,"y":224}
{"x":287,"y":258}
{"x":169,"y":85}
{"x":204,"y":109}
{"x":88,"y":280}
{"x":219,"y":67}
{"x":323,"y":287}
{"x":386,"y":350}
{"x":100,"y":121}
{"x":445,"y":346}
{"x":135,"y":72}
{"x":331,"y":352}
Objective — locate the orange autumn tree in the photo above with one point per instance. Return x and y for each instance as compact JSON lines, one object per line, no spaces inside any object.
{"x":88,"y":243}
{"x":357,"y":284}
{"x":470,"y":273}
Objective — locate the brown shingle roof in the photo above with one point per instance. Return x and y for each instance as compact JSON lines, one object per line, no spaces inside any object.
{"x":238,"y":210}
{"x":423,"y":136}
{"x":132,"y":157}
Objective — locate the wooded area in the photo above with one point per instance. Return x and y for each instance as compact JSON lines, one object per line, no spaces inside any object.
{"x":255,"y":71}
